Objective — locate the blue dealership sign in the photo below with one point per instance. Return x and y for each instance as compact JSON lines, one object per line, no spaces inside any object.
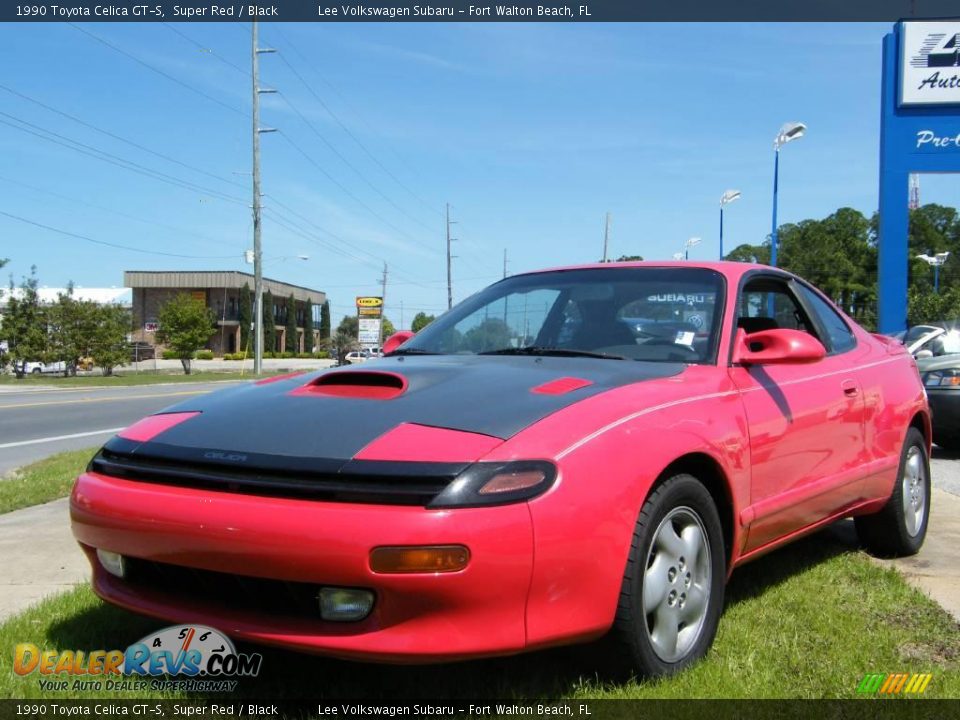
{"x":919,"y":133}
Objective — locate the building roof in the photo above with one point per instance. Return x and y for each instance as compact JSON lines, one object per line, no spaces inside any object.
{"x":205,"y":279}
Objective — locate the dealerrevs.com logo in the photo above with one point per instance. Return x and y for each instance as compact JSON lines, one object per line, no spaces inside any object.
{"x":185,"y":657}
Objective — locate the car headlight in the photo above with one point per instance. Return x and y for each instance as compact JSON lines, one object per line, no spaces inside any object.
{"x":942,"y":378}
{"x":484,"y":484}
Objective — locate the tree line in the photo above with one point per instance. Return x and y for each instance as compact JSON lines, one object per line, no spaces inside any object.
{"x":838,"y":254}
{"x":69,"y":331}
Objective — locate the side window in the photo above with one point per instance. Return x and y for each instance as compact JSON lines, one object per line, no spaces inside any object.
{"x":841,"y":338}
{"x":767,"y":304}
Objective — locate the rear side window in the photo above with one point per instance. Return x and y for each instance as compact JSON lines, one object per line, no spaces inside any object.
{"x":841,"y":338}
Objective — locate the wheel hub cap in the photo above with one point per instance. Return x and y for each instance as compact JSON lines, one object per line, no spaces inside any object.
{"x":676,"y":584}
{"x":914,"y":491}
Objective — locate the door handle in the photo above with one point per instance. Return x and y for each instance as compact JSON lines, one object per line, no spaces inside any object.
{"x":850,"y":388}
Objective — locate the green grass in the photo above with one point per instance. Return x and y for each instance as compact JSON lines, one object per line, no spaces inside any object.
{"x":43,"y":481}
{"x":805,"y":622}
{"x":129,"y":378}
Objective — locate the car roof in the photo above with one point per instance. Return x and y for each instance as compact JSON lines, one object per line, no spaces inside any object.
{"x":732,"y":270}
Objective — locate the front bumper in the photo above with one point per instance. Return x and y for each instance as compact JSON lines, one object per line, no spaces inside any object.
{"x":420,"y":617}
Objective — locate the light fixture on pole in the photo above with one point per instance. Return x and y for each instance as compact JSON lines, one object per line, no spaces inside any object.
{"x":790,"y":131}
{"x":689,"y":244}
{"x":728,"y":197}
{"x":935,"y":261}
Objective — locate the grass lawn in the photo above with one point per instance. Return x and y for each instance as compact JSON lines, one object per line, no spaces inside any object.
{"x":805,"y":622}
{"x":129,"y":378}
{"x":44,"y":480}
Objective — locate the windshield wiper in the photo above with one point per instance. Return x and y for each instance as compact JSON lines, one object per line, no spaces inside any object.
{"x":555,"y":351}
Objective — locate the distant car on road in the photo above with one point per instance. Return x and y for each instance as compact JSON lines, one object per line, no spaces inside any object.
{"x":142,"y":351}
{"x":41,"y":368}
{"x":357,"y":356}
{"x":941,"y":378}
{"x":931,"y":340}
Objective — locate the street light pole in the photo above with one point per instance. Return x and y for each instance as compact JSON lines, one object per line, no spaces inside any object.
{"x":773,"y":231}
{"x":935,"y":261}
{"x":728,"y":197}
{"x":789,"y":131}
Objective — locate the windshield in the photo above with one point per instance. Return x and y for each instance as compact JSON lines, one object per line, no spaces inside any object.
{"x":655,"y":314}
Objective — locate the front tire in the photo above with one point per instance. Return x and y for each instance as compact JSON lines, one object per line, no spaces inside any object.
{"x":901,"y":526}
{"x":672,"y":591}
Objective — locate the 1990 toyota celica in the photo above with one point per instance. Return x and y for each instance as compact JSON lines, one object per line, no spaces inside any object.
{"x":563,"y":455}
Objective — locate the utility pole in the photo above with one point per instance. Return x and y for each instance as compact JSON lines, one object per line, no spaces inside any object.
{"x":401,"y":314}
{"x":449,"y":258}
{"x":383,"y":305}
{"x":257,"y":248}
{"x":504,"y":262}
{"x":606,"y":237}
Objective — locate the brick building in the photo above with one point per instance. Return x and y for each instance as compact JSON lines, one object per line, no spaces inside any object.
{"x":220,"y":290}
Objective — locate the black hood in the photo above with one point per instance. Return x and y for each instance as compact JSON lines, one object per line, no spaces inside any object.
{"x":480,"y":394}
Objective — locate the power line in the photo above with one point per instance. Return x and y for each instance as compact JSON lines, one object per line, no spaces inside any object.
{"x":337,"y":238}
{"x":68,"y":198}
{"x":119,"y":137}
{"x":344,"y":126}
{"x":158,"y":71}
{"x":207,"y":50}
{"x":356,"y":199}
{"x":346,"y":162}
{"x":110,"y":244}
{"x":298,"y":230}
{"x":112,"y":159}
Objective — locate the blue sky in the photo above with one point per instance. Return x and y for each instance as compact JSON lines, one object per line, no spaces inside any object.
{"x":531,"y":132}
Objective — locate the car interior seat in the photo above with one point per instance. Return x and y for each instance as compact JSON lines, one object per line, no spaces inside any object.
{"x":751,"y":325}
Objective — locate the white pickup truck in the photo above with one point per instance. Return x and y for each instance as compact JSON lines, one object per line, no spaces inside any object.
{"x":39,"y":368}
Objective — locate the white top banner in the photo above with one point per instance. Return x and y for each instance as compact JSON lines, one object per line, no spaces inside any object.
{"x":930,"y":63}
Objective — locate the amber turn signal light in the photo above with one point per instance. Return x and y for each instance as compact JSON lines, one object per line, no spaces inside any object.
{"x":419,"y":559}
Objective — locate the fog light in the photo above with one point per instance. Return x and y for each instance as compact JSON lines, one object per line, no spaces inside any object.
{"x":113,"y":563}
{"x":345,"y":604}
{"x":419,"y":559}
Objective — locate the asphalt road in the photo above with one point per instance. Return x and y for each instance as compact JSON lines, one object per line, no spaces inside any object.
{"x":35,"y":422}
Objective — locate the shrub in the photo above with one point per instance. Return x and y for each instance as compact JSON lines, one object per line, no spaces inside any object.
{"x":204,"y":355}
{"x":171,"y":355}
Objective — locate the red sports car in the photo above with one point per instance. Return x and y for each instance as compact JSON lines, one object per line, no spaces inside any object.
{"x":566,"y":454}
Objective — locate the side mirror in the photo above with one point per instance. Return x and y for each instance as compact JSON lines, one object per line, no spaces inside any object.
{"x":396,"y":340}
{"x":781,"y":346}
{"x":923,"y":354}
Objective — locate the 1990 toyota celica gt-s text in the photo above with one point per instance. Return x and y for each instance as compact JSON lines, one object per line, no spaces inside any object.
{"x":564,"y":454}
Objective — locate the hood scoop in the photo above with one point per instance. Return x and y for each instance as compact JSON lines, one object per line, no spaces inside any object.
{"x":359,"y":384}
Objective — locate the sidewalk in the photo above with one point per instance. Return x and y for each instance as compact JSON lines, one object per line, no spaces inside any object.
{"x":935,"y":570}
{"x":43,"y":558}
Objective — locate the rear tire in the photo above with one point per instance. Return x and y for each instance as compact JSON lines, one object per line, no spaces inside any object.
{"x":672,"y":591}
{"x":901,"y":526}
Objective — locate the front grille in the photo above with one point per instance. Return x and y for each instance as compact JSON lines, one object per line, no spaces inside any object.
{"x":276,"y":597}
{"x":386,"y":488}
